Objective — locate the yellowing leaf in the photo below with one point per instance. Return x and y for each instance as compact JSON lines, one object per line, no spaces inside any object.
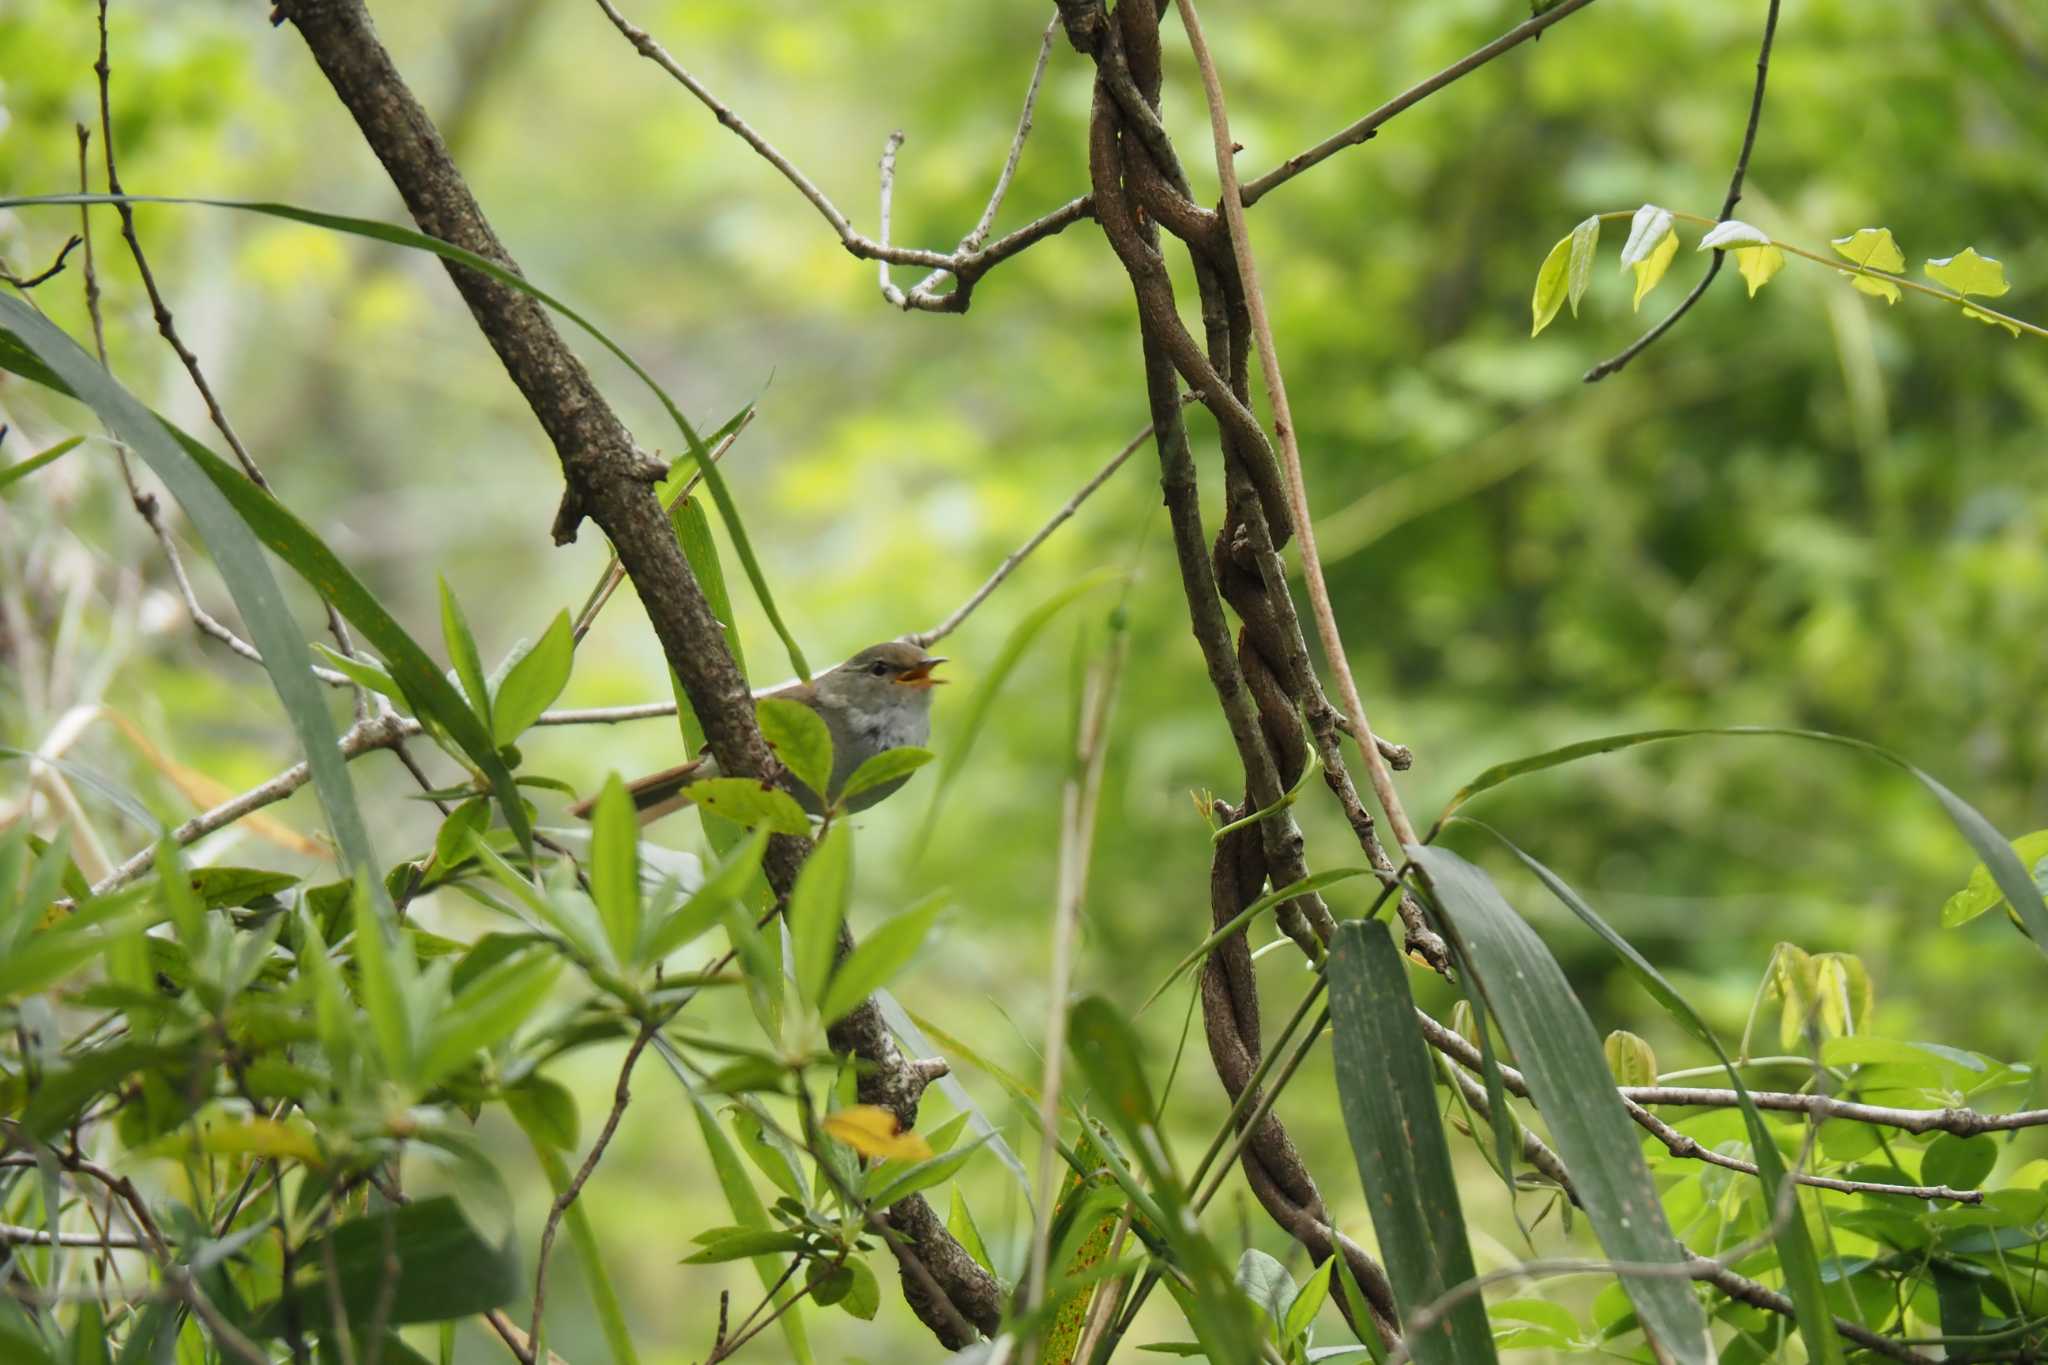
{"x":872,"y":1131}
{"x":1630,"y":1058}
{"x":1978,"y":313}
{"x":1871,"y":248}
{"x":253,"y":1136}
{"x":1550,"y":285}
{"x":1651,"y":268}
{"x":1968,"y":273}
{"x":1842,"y":992}
{"x":1585,"y":241}
{"x":1757,"y":264}
{"x":1877,"y":286}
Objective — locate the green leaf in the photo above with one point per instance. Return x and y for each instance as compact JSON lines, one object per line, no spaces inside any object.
{"x":1981,"y":893}
{"x":748,"y":802}
{"x":1266,"y":1283}
{"x":486,"y":1012}
{"x":35,"y":349}
{"x":1968,"y":273}
{"x":1871,"y":249}
{"x":447,"y":1270}
{"x":707,"y":905}
{"x":1386,"y":1089}
{"x":1991,"y":319}
{"x":879,"y":957}
{"x":693,"y":537}
{"x":232,"y":887}
{"x":615,"y":868}
{"x":384,"y":980}
{"x":817,"y":907}
{"x":924,"y":1174}
{"x":48,"y":955}
{"x":731,"y":1244}
{"x":547,"y":1111}
{"x":800,"y":740}
{"x":532,"y":684}
{"x":1630,"y":1059}
{"x":1236,"y":924}
{"x":1560,"y":1054}
{"x":29,"y":466}
{"x":1551,"y":285}
{"x":1315,"y":1290}
{"x":863,"y":1296}
{"x":1959,"y":1162}
{"x":890,"y":765}
{"x":361,"y":670}
{"x":745,"y":1204}
{"x":1585,"y":243}
{"x":469,"y":666}
{"x":1014,"y":648}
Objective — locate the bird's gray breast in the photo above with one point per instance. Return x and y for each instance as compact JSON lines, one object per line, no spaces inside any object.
{"x":868,"y":735}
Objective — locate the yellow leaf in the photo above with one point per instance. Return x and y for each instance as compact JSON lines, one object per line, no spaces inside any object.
{"x":1551,"y":281}
{"x":1758,"y":264}
{"x":1968,"y":273}
{"x":1871,"y":248}
{"x":1630,"y":1059}
{"x":1978,"y":313}
{"x":1881,"y":288}
{"x":253,"y":1136}
{"x":206,"y":792}
{"x":1651,"y":268}
{"x":872,"y":1131}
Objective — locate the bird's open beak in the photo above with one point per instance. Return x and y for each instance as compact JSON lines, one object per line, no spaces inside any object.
{"x":920,"y":675}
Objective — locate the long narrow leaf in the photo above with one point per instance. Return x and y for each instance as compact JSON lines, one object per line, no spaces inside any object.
{"x":1560,"y":1054}
{"x":1387,"y":1091}
{"x":55,"y":359}
{"x":226,"y":508}
{"x":418,"y":241}
{"x":1796,"y":1255}
{"x":1991,"y":847}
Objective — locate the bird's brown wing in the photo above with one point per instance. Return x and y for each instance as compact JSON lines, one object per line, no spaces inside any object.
{"x":656,"y":794}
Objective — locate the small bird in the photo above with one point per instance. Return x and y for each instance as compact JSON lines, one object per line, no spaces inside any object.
{"x":879,"y":699}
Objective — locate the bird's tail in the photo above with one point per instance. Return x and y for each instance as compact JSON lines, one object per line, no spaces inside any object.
{"x":654,"y":795}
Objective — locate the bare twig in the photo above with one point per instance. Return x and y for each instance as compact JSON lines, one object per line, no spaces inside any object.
{"x":1353,"y":134}
{"x":1756,"y":114}
{"x":966,"y":265}
{"x":1283,"y":422}
{"x":622,"y":1094}
{"x":1961,"y":1121}
{"x":147,"y":504}
{"x":54,"y":269}
{"x":13,"y":1234}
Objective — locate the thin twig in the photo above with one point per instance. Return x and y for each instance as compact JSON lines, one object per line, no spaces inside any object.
{"x":966,"y":264}
{"x":56,"y":268}
{"x":926,"y":638}
{"x":147,"y":504}
{"x":1364,"y":128}
{"x":1283,"y":421}
{"x":621,"y":1095}
{"x":890,"y":291}
{"x":13,"y":1234}
{"x":1756,"y":114}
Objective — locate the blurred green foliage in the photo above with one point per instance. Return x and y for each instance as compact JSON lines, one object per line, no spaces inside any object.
{"x":1804,"y":509}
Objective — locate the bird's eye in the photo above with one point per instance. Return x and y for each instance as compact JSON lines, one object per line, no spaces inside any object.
{"x":878,"y":668}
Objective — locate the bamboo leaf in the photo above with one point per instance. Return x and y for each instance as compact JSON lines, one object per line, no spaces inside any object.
{"x":615,"y":868}
{"x":817,"y":907}
{"x":532,"y":684}
{"x":1560,"y":1054}
{"x":461,"y":643}
{"x":1386,"y":1089}
{"x":2005,"y":868}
